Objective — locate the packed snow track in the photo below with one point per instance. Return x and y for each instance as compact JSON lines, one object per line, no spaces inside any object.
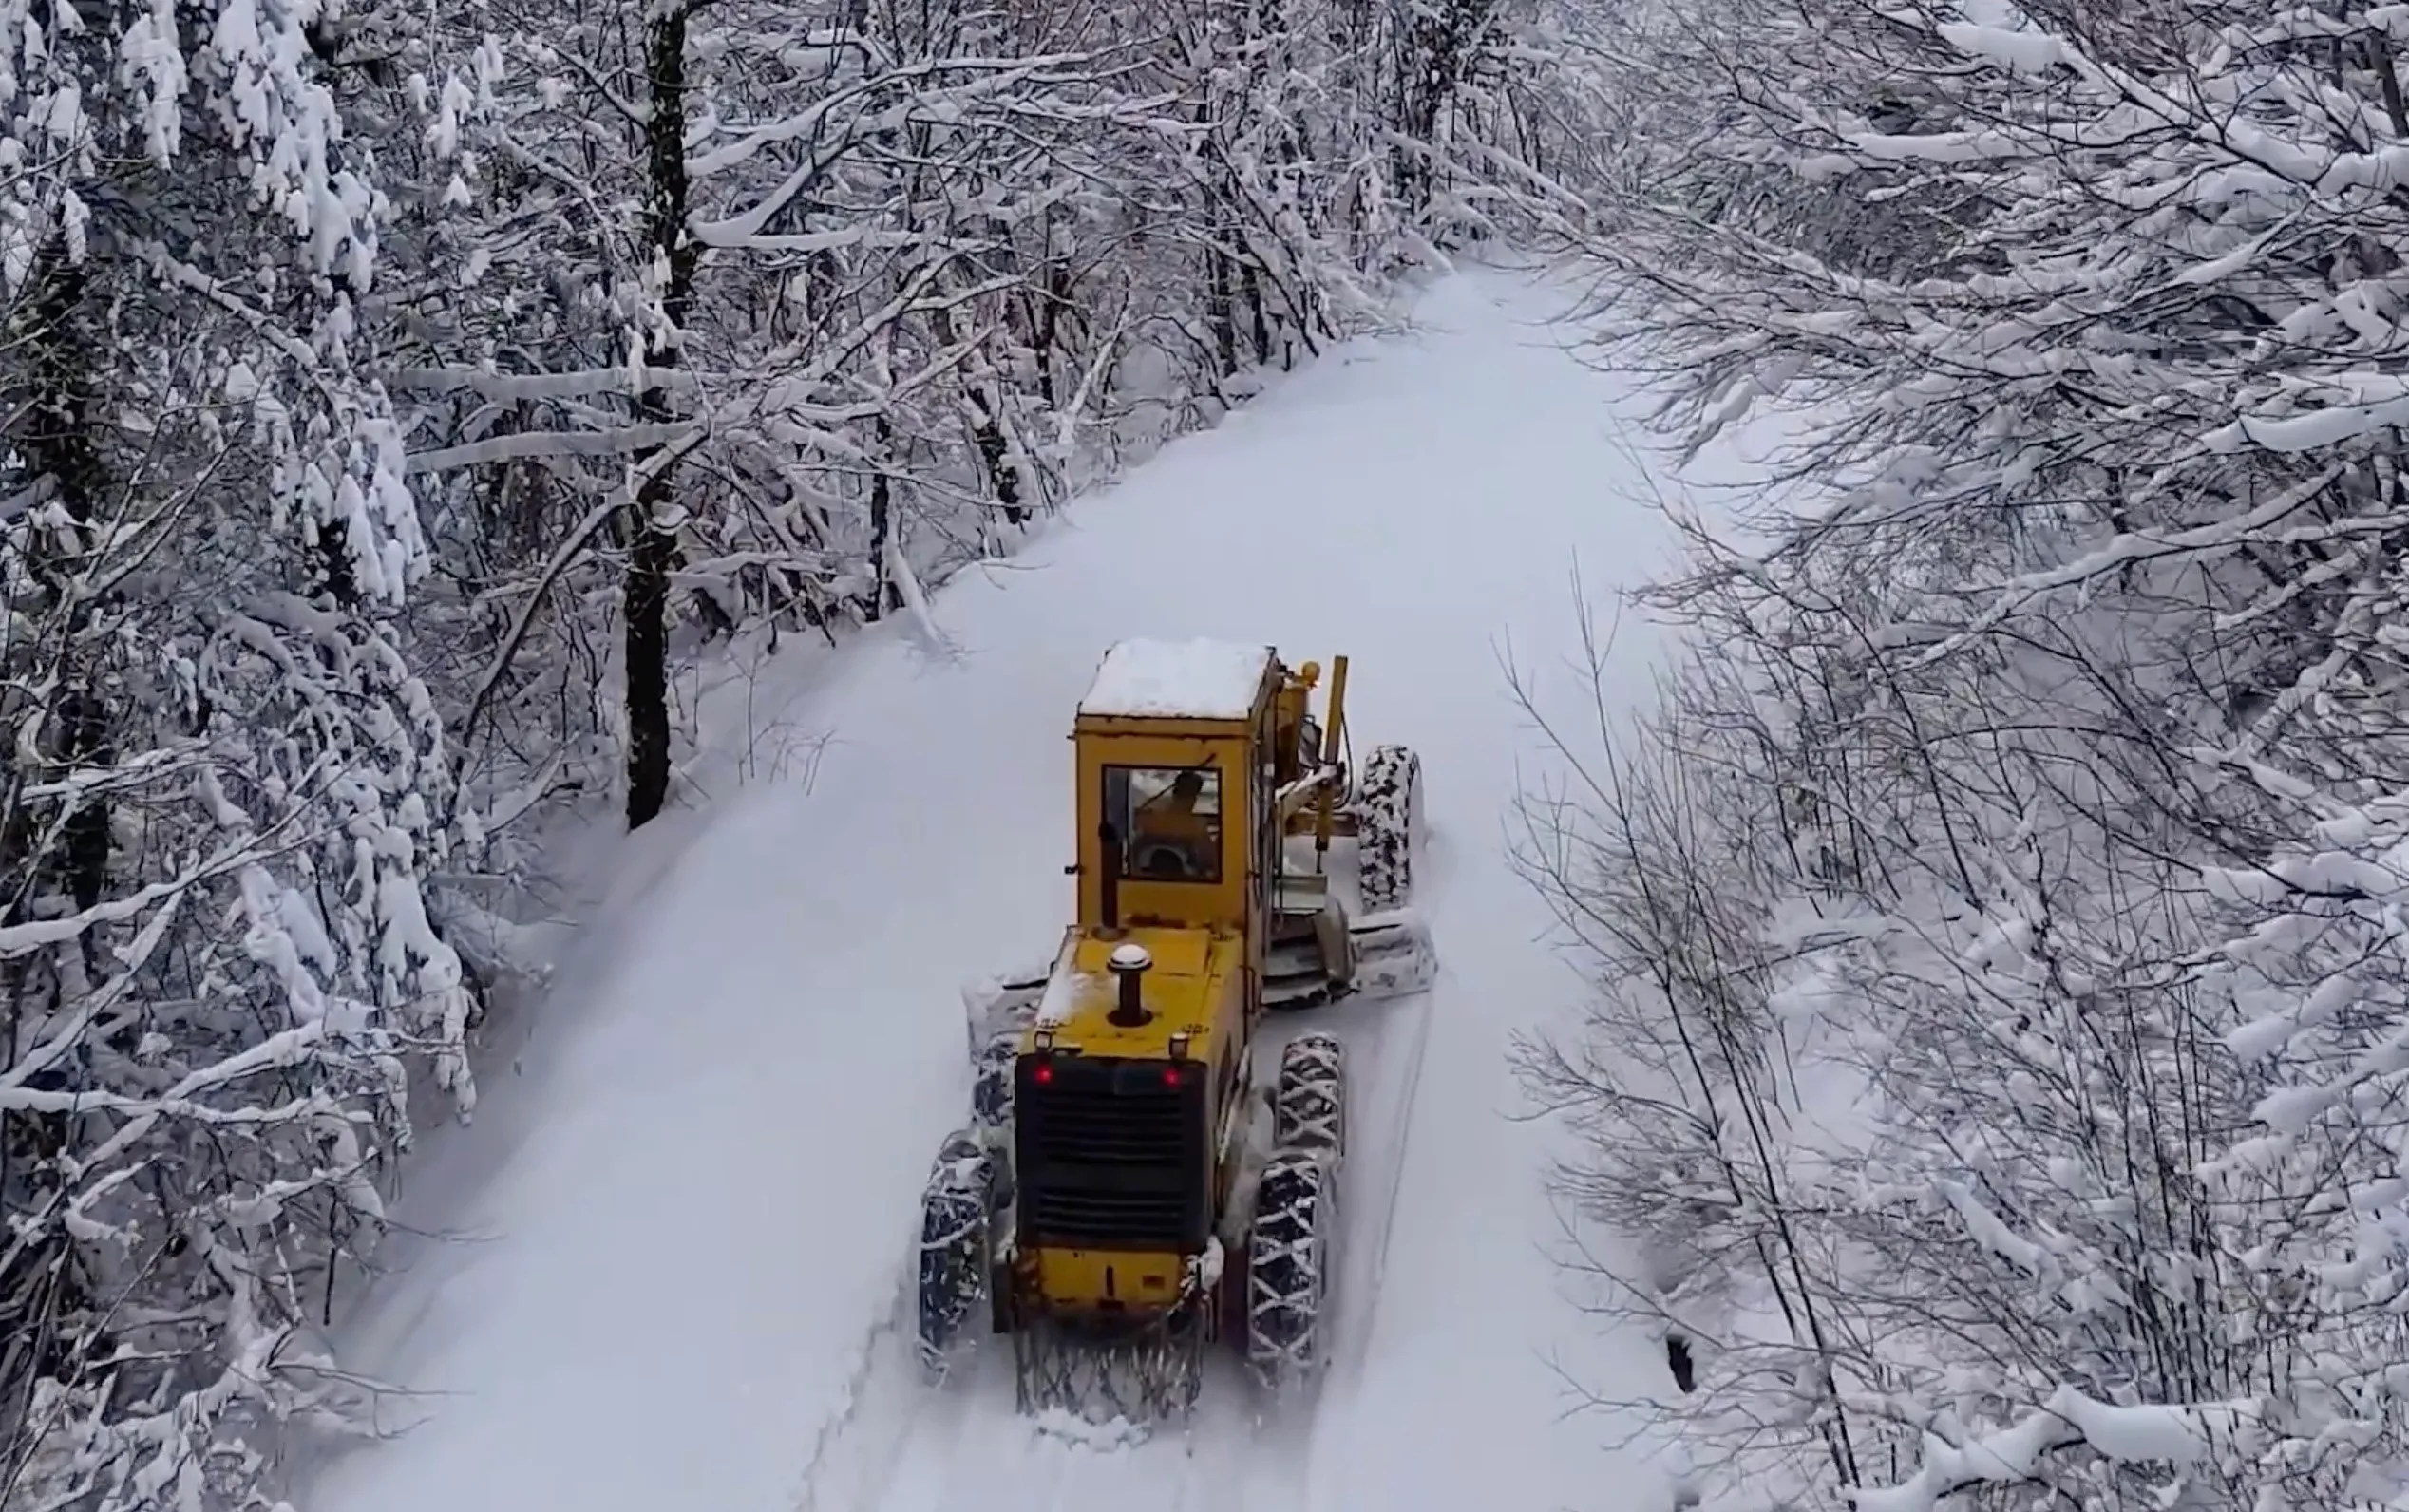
{"x":682,"y":1279}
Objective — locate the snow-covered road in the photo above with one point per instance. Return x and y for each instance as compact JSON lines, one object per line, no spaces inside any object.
{"x":691,"y":1213}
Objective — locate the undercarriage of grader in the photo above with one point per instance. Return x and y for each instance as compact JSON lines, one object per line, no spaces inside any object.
{"x":1143,"y":1175}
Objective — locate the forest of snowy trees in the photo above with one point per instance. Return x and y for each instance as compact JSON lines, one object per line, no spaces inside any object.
{"x":2002,"y":1042}
{"x":394,"y":396}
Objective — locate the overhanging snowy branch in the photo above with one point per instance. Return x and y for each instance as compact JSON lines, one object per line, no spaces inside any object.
{"x":2179,"y":1438}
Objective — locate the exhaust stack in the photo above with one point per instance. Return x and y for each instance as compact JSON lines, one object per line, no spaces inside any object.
{"x":1108,"y":884}
{"x":1127,"y":964}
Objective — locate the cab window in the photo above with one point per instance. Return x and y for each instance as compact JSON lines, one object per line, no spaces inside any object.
{"x":1169,"y":821}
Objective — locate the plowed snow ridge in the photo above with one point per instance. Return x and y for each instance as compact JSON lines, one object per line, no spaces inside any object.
{"x":691,"y":1213}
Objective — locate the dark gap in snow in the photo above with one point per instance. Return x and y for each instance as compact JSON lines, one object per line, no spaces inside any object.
{"x":1676,"y":1355}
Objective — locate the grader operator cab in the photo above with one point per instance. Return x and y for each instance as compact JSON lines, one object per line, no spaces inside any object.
{"x":1132,"y":1186}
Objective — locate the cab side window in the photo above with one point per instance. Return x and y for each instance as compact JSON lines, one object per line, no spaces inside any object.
{"x":1169,"y":818}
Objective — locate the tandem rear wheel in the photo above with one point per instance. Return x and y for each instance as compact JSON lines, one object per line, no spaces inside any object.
{"x":1292,"y":1247}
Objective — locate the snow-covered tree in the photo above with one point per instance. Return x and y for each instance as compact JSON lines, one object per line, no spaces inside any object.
{"x":395,"y":402}
{"x":1999,"y":981}
{"x":936,"y":266}
{"x":225,"y":785}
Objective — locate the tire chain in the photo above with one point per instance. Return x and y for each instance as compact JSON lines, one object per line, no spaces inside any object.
{"x":1384,"y":804}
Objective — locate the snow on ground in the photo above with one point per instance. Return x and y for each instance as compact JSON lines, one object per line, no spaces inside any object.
{"x":686,"y":1232}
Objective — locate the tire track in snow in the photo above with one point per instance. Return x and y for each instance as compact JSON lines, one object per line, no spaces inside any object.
{"x":1365,"y":1274}
{"x":883,"y":1402}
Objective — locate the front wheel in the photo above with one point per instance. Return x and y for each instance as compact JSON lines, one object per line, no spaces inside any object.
{"x":956,"y":1214}
{"x":1388,"y":815}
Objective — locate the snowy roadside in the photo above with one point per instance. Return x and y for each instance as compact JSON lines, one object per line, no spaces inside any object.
{"x":1856,"y":1069}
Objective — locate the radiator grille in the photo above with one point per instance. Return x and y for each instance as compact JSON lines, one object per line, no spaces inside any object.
{"x":1100,"y":1219}
{"x":1107,"y":1126}
{"x":1108,"y":1155}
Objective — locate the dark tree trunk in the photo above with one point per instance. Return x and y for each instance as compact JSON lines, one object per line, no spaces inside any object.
{"x":647,"y":649}
{"x":987,"y":431}
{"x":1253,"y":288}
{"x":1221,"y":314}
{"x":997,"y":455}
{"x":47,"y":1317}
{"x":1437,"y":39}
{"x":886,"y":594}
{"x":55,"y":437}
{"x":652,"y":538}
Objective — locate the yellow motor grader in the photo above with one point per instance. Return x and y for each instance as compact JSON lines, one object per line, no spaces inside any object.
{"x":1133,"y":1186}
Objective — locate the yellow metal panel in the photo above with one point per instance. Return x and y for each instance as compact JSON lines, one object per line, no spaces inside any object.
{"x":1188,"y":989}
{"x":1176,"y":952}
{"x":1140,"y":1280}
{"x":1166,"y":903}
{"x":1117,"y":726}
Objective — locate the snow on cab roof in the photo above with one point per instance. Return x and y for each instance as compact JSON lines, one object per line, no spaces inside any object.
{"x":1177,"y":679}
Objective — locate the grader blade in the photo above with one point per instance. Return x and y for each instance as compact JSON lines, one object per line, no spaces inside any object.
{"x":1394,"y":954}
{"x":1320,"y":953}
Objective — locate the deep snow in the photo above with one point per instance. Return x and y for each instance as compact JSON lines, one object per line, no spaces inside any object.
{"x":681,"y":1253}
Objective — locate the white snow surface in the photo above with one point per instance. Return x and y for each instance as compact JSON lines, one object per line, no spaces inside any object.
{"x":1168,"y":679}
{"x":668,"y":1268}
{"x":1063,"y":991}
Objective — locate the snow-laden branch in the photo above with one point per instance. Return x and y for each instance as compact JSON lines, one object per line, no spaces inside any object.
{"x":524,"y":445}
{"x":2005,"y":907}
{"x":2176,"y":1437}
{"x":2127,"y":548}
{"x":58,"y":1044}
{"x":2376,"y":402}
{"x":592,"y":383}
{"x":18,"y":940}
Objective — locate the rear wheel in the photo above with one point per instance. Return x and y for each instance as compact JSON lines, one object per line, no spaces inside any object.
{"x":1388,"y":815}
{"x":1288,"y":1261}
{"x":1290,"y":1248}
{"x":991,"y":1088}
{"x":1308,"y":1106}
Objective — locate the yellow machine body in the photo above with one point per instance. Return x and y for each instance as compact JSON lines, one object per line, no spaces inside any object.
{"x":1183,"y":871}
{"x":1148,"y":1167}
{"x":1197,"y":989}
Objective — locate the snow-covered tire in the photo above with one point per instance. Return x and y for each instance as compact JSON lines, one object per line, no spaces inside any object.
{"x":993,"y":1005}
{"x":1288,"y":1264}
{"x":1309,"y":1106}
{"x":955,"y":1211}
{"x":991,"y":1081}
{"x":1387,"y":816}
{"x":991,"y":1110}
